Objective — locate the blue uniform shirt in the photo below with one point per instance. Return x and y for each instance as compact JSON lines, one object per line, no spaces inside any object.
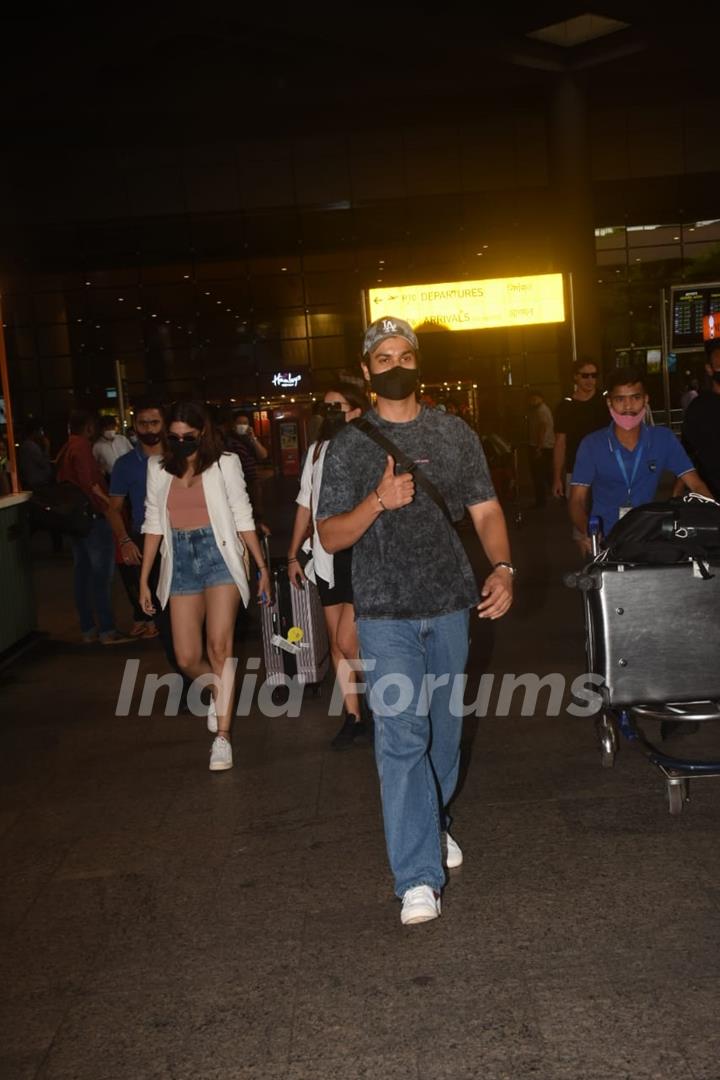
{"x":129,"y":479}
{"x":597,"y":467}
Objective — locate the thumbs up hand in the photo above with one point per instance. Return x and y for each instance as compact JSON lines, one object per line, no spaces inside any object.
{"x":395,"y":491}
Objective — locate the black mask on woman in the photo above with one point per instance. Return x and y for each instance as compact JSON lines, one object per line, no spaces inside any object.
{"x":396,"y":384}
{"x":185,"y":448}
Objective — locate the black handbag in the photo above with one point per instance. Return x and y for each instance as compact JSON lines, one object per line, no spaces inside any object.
{"x":62,"y":508}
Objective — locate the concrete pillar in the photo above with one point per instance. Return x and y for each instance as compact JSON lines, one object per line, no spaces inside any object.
{"x":573,"y":200}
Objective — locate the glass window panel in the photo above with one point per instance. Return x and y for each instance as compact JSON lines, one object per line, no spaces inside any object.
{"x":125,"y":337}
{"x":668,"y":252}
{"x":653,"y":236}
{"x":53,"y":340}
{"x":322,"y":229}
{"x":165,"y":238}
{"x":221,"y":269}
{"x":268,"y":234}
{"x":701,"y":230}
{"x":274,"y":265}
{"x":610,"y":236}
{"x":331,"y":288}
{"x":218,"y":234}
{"x":57,"y":371}
{"x":282,"y":290}
{"x":330,"y":352}
{"x":26,"y":374}
{"x":611,"y":258}
{"x":326,"y":323}
{"x":329,"y":260}
{"x":16,"y":308}
{"x":158,"y":273}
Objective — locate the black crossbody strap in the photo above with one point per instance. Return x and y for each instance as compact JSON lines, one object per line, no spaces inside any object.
{"x":406,"y":463}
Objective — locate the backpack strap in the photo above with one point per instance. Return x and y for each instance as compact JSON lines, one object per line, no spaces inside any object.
{"x":405,"y":463}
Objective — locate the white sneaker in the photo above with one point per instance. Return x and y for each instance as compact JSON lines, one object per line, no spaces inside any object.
{"x":220,"y":754}
{"x":454,"y":856}
{"x":212,"y":716}
{"x":419,"y":905}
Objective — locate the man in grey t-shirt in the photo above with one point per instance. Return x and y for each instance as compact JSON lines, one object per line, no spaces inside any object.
{"x":413,"y":589}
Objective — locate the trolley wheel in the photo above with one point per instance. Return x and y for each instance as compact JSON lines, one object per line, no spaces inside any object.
{"x":677,"y":793}
{"x":608,"y":741}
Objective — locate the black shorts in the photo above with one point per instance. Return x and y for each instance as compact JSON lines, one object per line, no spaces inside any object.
{"x":341,"y":592}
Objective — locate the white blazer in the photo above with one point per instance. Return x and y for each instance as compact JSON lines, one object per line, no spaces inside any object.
{"x":229,"y":510}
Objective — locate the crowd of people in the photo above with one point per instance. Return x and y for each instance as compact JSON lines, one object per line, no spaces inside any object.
{"x":179,"y":511}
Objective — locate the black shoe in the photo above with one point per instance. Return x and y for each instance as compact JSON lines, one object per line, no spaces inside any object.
{"x":352,"y":730}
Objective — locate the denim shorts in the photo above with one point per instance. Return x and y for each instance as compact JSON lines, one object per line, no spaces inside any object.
{"x":197,"y":562}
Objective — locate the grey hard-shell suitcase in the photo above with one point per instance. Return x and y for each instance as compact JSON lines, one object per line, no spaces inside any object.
{"x":308,"y":659}
{"x":653,"y":632}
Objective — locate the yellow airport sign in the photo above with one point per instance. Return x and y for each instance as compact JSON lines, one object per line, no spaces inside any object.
{"x":473,"y":305}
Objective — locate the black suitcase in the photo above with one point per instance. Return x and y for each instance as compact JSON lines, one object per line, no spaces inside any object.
{"x":309,"y":658}
{"x":653,"y":632}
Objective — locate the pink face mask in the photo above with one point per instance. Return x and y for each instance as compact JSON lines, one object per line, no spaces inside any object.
{"x":626,"y":421}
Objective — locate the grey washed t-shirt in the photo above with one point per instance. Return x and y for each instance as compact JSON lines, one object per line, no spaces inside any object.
{"x":409,"y":564}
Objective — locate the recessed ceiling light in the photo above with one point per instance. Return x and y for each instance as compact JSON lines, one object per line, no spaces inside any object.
{"x":578,"y":31}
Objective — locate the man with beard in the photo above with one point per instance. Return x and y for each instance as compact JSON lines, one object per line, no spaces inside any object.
{"x":128,"y":481}
{"x":413,"y":589}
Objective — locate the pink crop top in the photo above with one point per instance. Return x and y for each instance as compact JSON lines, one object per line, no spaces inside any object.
{"x":186,"y":506}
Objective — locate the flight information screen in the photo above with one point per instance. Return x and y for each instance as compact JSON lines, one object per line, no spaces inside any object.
{"x":690,"y":310}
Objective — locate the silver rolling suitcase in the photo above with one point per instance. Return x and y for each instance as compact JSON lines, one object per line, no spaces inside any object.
{"x":287,"y":653}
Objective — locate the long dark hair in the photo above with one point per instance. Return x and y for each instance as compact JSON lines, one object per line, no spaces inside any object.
{"x":210,"y":447}
{"x":355,"y":398}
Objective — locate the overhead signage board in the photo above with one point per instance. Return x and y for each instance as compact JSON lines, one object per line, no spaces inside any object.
{"x":473,"y":305}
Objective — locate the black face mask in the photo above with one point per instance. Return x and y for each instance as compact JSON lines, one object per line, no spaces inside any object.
{"x":396,"y":384}
{"x":185,"y":448}
{"x":716,"y":376}
{"x":149,"y":438}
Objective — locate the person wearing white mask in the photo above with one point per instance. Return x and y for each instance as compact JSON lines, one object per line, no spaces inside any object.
{"x":109,"y":444}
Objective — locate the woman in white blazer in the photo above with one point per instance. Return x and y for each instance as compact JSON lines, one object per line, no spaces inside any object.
{"x":198,"y":513}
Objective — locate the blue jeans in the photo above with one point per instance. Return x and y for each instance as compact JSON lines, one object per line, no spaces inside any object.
{"x":417,"y":741}
{"x":94,"y":557}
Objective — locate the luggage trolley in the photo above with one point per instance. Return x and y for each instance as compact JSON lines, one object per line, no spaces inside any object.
{"x":653,"y":636}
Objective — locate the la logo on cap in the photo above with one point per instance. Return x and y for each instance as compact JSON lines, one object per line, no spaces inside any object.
{"x":389,"y":326}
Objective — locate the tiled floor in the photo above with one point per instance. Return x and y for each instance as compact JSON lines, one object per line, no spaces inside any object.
{"x":161,"y":922}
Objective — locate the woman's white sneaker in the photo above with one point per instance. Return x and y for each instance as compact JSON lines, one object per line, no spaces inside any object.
{"x":420,"y":904}
{"x":220,"y":754}
{"x":454,"y":855}
{"x":212,"y":716}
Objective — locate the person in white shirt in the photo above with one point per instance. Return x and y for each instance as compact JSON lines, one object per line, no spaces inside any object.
{"x":331,"y":573}
{"x":109,"y":445}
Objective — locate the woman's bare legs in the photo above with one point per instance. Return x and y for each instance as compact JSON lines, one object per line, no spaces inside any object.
{"x":187,"y":615}
{"x":222,"y":603}
{"x":340,"y":642}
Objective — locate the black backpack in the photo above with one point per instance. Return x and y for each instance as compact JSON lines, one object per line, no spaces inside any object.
{"x":663,"y":533}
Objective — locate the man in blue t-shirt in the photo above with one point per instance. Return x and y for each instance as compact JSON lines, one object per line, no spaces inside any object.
{"x":128,"y":480}
{"x":620,"y":465}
